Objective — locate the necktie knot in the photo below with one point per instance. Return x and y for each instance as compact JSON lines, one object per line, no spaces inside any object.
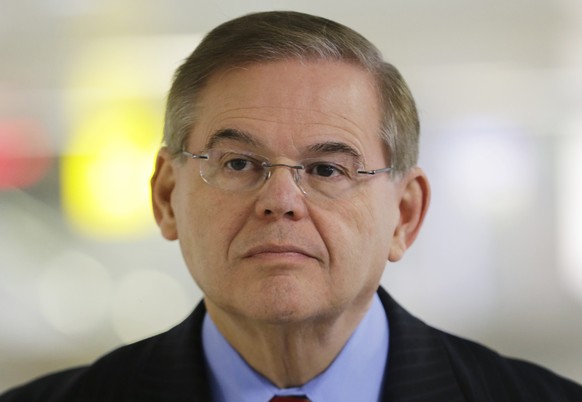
{"x":299,"y":398}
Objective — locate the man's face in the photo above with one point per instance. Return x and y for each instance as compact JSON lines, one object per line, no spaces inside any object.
{"x":275,"y":254}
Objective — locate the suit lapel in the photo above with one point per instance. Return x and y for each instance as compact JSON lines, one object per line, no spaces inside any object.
{"x":175,"y":369}
{"x":418,"y":367}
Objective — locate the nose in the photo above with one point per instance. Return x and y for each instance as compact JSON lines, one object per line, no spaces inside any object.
{"x":281,"y":195}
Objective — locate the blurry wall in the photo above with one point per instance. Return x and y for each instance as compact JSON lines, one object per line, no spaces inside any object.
{"x":82,"y":86}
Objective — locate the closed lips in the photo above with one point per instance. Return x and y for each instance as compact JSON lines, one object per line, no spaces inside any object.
{"x":275,"y":249}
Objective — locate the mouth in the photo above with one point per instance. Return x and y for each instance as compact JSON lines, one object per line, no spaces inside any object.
{"x":278,"y":251}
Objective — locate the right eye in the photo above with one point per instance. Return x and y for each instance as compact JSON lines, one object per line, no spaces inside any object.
{"x":325,"y":170}
{"x":234,"y":162}
{"x":239,"y":164}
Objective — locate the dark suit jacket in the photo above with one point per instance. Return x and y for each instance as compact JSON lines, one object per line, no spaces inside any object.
{"x":424,"y":365}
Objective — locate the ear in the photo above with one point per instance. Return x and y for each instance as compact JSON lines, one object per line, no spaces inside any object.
{"x":162,"y":184}
{"x":413,"y":206}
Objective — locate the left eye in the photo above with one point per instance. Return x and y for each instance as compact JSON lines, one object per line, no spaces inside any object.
{"x":239,"y":164}
{"x":325,"y":170}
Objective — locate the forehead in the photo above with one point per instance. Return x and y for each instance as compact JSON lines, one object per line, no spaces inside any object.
{"x":291,"y":101}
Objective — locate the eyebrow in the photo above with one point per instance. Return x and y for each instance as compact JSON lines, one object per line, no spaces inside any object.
{"x":231,"y":134}
{"x":332,"y":147}
{"x":236,"y":135}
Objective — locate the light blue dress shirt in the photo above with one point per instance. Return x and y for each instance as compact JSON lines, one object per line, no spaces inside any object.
{"x":355,"y":375}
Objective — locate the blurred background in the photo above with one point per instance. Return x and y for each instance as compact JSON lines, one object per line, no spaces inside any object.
{"x":83,"y":268}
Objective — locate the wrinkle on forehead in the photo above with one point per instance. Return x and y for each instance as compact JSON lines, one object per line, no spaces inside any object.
{"x":294,"y":116}
{"x":324,"y":101}
{"x":319,"y":84}
{"x":291,"y":113}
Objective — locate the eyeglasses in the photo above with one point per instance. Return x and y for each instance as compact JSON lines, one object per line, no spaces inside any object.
{"x":330,"y":176}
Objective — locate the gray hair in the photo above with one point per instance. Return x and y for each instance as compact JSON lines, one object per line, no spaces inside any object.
{"x":279,"y":35}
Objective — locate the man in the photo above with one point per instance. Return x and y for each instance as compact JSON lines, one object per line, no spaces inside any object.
{"x":288,"y":175}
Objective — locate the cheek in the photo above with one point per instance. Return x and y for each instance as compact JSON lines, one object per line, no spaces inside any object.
{"x":202,"y":236}
{"x":344,"y":231}
{"x":357,"y":256}
{"x":370,"y":215}
{"x":361,"y":228}
{"x":208,"y":221}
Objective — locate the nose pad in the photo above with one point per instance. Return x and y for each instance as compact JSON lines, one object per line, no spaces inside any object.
{"x":278,"y":198}
{"x":293,"y":169}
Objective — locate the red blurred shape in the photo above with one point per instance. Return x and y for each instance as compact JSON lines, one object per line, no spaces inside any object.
{"x":24,"y":154}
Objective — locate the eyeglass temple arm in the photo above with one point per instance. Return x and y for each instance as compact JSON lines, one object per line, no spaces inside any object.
{"x":194,"y":156}
{"x":376,"y":171}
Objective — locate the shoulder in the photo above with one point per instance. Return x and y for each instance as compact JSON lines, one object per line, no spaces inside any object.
{"x":53,"y":387}
{"x":109,"y":374}
{"x":481,"y":371}
{"x":143,"y":371}
{"x":422,"y":359}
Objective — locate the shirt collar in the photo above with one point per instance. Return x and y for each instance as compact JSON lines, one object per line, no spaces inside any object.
{"x":356,"y":373}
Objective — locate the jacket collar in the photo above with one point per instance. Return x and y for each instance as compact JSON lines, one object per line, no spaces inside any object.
{"x":418,"y":366}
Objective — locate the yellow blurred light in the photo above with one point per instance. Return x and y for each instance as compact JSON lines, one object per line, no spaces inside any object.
{"x":106,"y":170}
{"x":115,"y":106}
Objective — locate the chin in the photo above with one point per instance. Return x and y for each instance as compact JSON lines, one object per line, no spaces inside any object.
{"x":283,"y":307}
{"x":276,"y":299}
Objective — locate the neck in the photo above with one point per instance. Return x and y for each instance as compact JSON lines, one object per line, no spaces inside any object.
{"x":288,"y":354}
